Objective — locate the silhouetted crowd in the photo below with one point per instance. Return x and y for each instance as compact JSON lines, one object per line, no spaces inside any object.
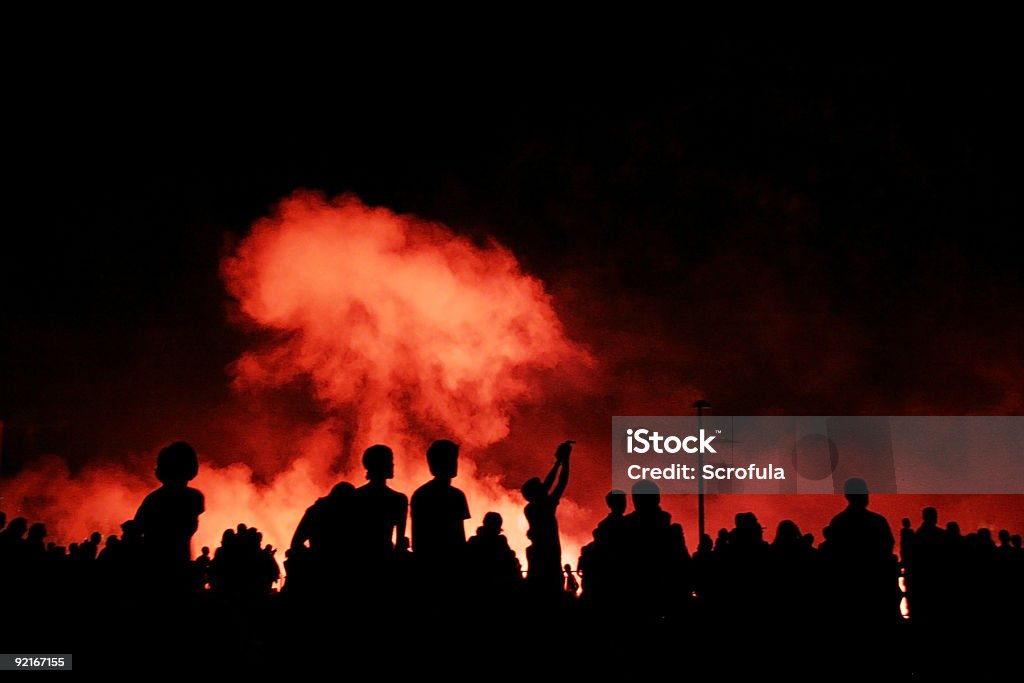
{"x":350,"y":555}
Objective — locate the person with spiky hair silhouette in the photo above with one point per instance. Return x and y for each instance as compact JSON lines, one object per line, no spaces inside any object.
{"x":169,"y":516}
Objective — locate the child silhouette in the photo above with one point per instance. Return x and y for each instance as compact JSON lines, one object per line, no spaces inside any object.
{"x":169,"y":516}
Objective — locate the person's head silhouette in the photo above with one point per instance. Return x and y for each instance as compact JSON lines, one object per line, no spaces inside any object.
{"x":616,"y":501}
{"x":492,"y":523}
{"x":930,"y":516}
{"x":17,"y":527}
{"x":533,"y":489}
{"x":177,"y":464}
{"x":787,"y":532}
{"x":379,"y":461}
{"x":856,"y":491}
{"x":646,"y":496}
{"x":748,"y":528}
{"x":443,"y":459}
{"x":37,"y":532}
{"x":1004,"y":537}
{"x":341,"y":491}
{"x":130,"y":530}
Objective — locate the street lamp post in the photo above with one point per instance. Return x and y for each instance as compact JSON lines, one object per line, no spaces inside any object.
{"x":700,"y":406}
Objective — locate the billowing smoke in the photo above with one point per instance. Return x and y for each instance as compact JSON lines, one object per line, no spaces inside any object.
{"x":402,"y":330}
{"x":369,"y":327}
{"x":398,"y":319}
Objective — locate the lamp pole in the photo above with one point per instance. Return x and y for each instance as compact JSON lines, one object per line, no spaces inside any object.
{"x":700,"y":406}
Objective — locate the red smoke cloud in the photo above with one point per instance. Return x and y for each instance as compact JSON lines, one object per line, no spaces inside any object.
{"x":397,"y":329}
{"x":403,"y":331}
{"x":395,"y":318}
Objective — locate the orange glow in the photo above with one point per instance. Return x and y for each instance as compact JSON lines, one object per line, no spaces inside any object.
{"x":401,"y":331}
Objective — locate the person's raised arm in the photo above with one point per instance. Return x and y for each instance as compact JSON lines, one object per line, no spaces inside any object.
{"x":550,"y":479}
{"x":562,"y":455}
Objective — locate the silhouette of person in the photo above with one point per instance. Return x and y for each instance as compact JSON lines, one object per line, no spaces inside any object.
{"x":1004,"y":542}
{"x":657,"y":562}
{"x":572,"y":586}
{"x":439,"y":510}
{"x":721,"y":539}
{"x":791,"y":568}
{"x":109,"y":549}
{"x":906,"y":541}
{"x":201,"y":568}
{"x":745,"y":562}
{"x":11,"y":538}
{"x":864,"y":569}
{"x":926,"y":563}
{"x":381,"y":510}
{"x":169,"y":516}
{"x":326,"y":527}
{"x":600,"y":563}
{"x":610,"y":528}
{"x":706,"y":574}
{"x":242,"y":570}
{"x":35,"y":542}
{"x":493,"y":562}
{"x":544,"y":555}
